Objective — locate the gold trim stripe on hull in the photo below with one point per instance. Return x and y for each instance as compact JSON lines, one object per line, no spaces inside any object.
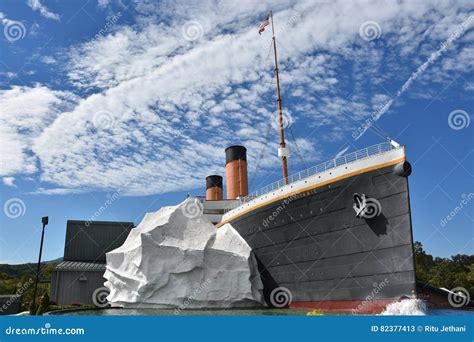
{"x":335,"y":179}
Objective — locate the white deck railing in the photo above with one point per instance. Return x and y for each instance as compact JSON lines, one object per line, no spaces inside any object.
{"x":330,"y":164}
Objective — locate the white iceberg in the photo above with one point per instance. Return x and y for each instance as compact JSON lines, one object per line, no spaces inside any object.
{"x":176,"y":258}
{"x":406,"y":307}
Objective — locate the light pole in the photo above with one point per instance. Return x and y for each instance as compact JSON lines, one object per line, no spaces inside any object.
{"x":44,"y":220}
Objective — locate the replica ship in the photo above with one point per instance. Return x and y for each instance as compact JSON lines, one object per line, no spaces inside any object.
{"x":337,"y":236}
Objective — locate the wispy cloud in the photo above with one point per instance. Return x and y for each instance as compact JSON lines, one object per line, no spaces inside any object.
{"x":24,"y":113}
{"x":9,"y":181}
{"x":36,"y":5}
{"x":156,"y":109}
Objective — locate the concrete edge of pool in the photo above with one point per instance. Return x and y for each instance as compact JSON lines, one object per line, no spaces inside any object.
{"x":111,"y":311}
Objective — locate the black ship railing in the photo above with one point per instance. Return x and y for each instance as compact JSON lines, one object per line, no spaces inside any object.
{"x":330,"y":164}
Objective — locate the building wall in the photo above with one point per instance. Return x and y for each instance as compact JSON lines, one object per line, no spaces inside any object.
{"x":89,"y":241}
{"x":75,"y":287}
{"x":9,"y":304}
{"x":86,"y":242}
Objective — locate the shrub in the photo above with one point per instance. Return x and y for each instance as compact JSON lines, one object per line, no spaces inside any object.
{"x":44,"y":304}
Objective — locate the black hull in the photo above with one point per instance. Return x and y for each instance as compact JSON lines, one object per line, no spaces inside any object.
{"x":318,"y":249}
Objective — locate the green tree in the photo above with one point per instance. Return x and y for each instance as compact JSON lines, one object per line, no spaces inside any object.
{"x":423,"y":262}
{"x":44,"y":304}
{"x":457,"y":271}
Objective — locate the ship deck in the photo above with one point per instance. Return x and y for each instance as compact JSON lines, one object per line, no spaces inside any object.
{"x":370,"y":158}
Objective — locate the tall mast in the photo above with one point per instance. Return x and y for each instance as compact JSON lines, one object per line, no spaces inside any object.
{"x":283,"y":151}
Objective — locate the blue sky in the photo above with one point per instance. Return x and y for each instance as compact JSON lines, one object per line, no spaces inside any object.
{"x":138,"y":99}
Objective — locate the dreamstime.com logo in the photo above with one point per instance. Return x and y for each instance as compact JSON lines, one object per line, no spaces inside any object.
{"x":466,"y":199}
{"x":108,"y":202}
{"x":267,"y":220}
{"x":370,"y":30}
{"x":14,"y":208}
{"x":99,"y":297}
{"x":288,"y":23}
{"x":458,"y":297}
{"x":21,"y":289}
{"x":286,"y":122}
{"x":366,"y":207}
{"x":192,"y":297}
{"x":103,"y":119}
{"x":459,"y":119}
{"x":14,"y":30}
{"x":192,"y":31}
{"x":377,"y":287}
{"x":192,"y":208}
{"x":46,"y":330}
{"x":109,"y":23}
{"x":281,"y":297}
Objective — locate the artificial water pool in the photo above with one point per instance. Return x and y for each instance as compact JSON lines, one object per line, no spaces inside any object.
{"x":223,"y":312}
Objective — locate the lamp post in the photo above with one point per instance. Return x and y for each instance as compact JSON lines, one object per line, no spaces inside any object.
{"x":44,"y":220}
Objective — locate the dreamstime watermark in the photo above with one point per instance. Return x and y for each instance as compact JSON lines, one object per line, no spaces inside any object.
{"x":193,"y":118}
{"x":46,"y":330}
{"x":109,"y":23}
{"x":192,"y":297}
{"x":14,"y":208}
{"x":459,"y":119}
{"x":287,"y":119}
{"x":465,"y":199}
{"x":281,"y":297}
{"x":21,"y":289}
{"x":188,"y":125}
{"x":108,"y":202}
{"x":99,"y":297}
{"x":266,"y":221}
{"x":14,"y":30}
{"x":366,"y":207}
{"x":377,"y":287}
{"x":288,"y":23}
{"x":192,"y":208}
{"x":376,"y":114}
{"x":458,"y":297}
{"x":382,"y":109}
{"x":370,"y":30}
{"x":458,"y":32}
{"x":103,"y":119}
{"x":192,"y":30}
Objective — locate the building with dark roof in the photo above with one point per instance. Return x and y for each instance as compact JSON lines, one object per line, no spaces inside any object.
{"x":10,"y":304}
{"x":81,"y":272}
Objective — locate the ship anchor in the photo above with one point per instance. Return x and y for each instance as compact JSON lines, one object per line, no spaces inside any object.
{"x":366,"y":207}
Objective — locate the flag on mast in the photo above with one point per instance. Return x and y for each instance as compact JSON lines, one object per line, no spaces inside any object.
{"x":264,"y":23}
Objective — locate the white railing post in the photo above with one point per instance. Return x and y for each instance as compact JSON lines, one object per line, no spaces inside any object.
{"x":321,"y":167}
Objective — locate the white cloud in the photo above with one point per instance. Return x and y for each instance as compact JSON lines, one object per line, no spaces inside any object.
{"x":36,"y":5}
{"x":48,"y":60}
{"x":103,"y":3}
{"x":4,"y":20}
{"x":162,"y":109}
{"x":9,"y":181}
{"x":24,"y":113}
